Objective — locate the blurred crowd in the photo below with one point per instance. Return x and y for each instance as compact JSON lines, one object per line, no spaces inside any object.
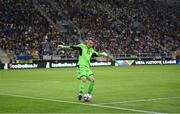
{"x":120,"y":27}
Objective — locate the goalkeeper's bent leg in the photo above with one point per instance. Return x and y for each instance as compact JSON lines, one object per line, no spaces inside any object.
{"x":91,"y":85}
{"x":81,"y":87}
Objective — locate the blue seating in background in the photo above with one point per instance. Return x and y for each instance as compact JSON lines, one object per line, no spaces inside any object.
{"x":23,"y":57}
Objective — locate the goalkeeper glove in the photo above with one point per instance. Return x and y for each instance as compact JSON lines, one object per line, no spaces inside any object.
{"x":60,"y":46}
{"x":104,"y":54}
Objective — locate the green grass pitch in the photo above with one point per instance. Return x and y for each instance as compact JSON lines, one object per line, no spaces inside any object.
{"x":134,"y":89}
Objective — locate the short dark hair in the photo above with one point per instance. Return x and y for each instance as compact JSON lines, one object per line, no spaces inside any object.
{"x":90,"y":38}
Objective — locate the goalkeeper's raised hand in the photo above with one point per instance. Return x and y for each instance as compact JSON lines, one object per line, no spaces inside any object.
{"x":104,"y":54}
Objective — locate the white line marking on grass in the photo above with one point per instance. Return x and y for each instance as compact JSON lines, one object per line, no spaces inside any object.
{"x":79,"y":103}
{"x":142,"y":100}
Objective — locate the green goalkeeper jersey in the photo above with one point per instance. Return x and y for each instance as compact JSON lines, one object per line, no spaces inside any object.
{"x":85,"y":54}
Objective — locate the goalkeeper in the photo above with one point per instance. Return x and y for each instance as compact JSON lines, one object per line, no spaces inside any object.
{"x":86,"y":51}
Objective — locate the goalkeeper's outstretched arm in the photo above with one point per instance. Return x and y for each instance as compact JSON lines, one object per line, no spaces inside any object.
{"x":97,"y":54}
{"x":63,"y":47}
{"x":78,"y":47}
{"x":74,"y":47}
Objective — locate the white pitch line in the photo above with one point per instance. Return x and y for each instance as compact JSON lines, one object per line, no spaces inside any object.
{"x":141,"y":100}
{"x":79,"y":103}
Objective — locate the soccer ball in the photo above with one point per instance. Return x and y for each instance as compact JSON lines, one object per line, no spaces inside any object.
{"x":87,"y":97}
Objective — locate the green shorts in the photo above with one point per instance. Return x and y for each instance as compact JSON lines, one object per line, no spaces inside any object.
{"x":83,"y":71}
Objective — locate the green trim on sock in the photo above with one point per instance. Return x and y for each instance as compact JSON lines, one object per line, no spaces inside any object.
{"x":90,"y":88}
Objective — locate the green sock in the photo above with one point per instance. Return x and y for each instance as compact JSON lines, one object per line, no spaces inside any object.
{"x":90,"y":88}
{"x":81,"y":87}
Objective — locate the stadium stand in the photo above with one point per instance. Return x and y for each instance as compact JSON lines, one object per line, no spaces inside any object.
{"x":133,"y":28}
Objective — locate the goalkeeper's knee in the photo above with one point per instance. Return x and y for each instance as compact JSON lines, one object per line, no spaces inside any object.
{"x":92,"y":79}
{"x":83,"y":79}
